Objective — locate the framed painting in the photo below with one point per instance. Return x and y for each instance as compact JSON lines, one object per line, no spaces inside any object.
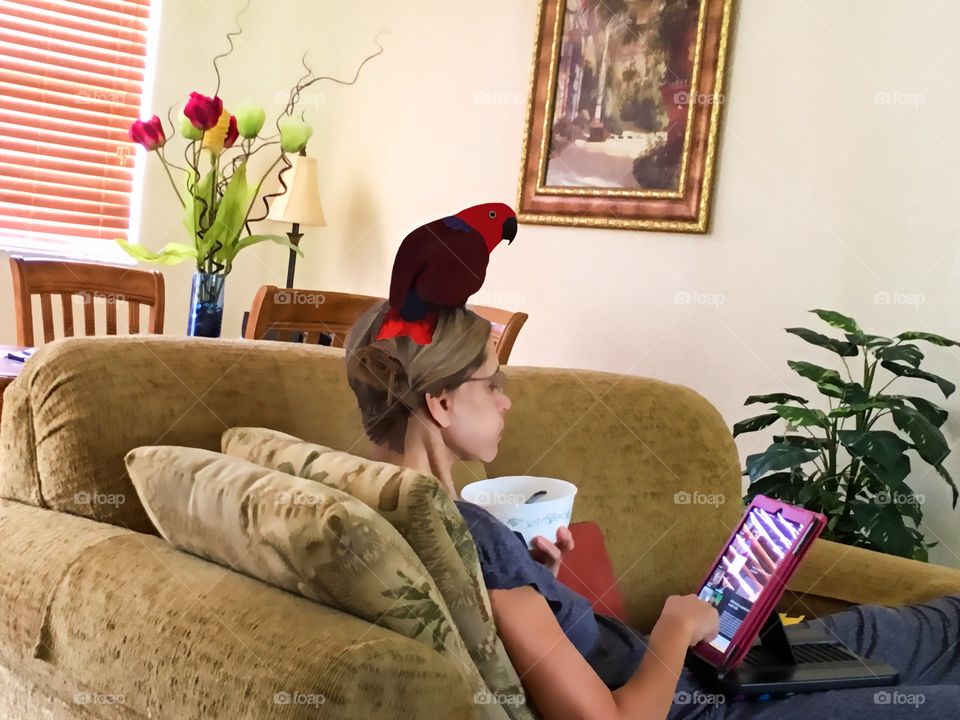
{"x":624,"y":113}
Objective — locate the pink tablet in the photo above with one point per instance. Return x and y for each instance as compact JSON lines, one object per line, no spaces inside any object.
{"x":750,"y":574}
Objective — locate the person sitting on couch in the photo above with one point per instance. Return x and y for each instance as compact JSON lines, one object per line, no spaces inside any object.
{"x":424,"y":406}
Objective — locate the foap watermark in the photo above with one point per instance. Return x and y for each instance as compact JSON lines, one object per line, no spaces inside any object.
{"x":682,"y":497}
{"x":94,"y":96}
{"x":683,"y":97}
{"x":87,"y":298}
{"x":298,"y":698}
{"x":499,"y":498}
{"x":298,"y":498}
{"x":85,"y":697}
{"x":698,"y":697}
{"x":294,"y":297}
{"x":315,"y":99}
{"x":485,"y":697}
{"x":896,"y":97}
{"x":485,"y":97}
{"x":98,"y":498}
{"x":886,"y":697}
{"x":885,"y":497}
{"x":687,"y":297}
{"x":898,"y":297}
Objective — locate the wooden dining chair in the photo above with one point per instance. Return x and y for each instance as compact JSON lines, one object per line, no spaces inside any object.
{"x":325,"y":318}
{"x":109,"y":284}
{"x":306,"y":316}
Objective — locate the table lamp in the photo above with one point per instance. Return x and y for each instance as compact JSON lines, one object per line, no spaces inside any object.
{"x":300,"y":205}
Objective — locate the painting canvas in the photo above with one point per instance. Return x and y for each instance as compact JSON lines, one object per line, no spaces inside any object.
{"x":624,"y":113}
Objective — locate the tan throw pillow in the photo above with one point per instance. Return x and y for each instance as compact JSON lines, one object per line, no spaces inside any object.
{"x":301,"y":536}
{"x":425,"y":515}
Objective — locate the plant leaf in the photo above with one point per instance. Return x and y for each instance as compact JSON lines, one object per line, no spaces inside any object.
{"x":883,"y":446}
{"x":845,"y":349}
{"x":931,"y":411}
{"x":779,"y":456}
{"x":953,"y":486}
{"x":929,"y":442}
{"x":811,"y":443}
{"x":757,"y":422}
{"x":169,"y":254}
{"x":946,"y":387}
{"x":801,"y":417}
{"x":775,"y":485}
{"x":774,"y":398}
{"x":893,"y":476}
{"x":870,"y":341}
{"x":929,"y":337}
{"x":811,"y":371}
{"x":839,"y":321}
{"x":854,"y":408}
{"x":907,"y":353}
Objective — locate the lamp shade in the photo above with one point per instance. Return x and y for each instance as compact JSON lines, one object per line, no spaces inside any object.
{"x":301,"y":202}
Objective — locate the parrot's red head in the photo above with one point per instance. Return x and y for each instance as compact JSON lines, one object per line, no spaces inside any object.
{"x":495,"y":221}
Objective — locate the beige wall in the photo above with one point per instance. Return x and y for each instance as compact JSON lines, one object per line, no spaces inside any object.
{"x":826,"y":195}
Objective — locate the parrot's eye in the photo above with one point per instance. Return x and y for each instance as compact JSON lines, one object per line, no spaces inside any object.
{"x":493,"y":214}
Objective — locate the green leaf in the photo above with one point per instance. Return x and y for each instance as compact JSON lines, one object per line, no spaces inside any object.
{"x":775,"y":485}
{"x":929,"y":442}
{"x":839,"y":321}
{"x":254,"y":239}
{"x":854,"y":408}
{"x":170,"y":254}
{"x":758,"y":422}
{"x":929,"y":337}
{"x":931,"y":411}
{"x":774,"y":398}
{"x":812,"y":372}
{"x":946,"y":387}
{"x":870,"y":341}
{"x":801,"y":417}
{"x":953,"y":486}
{"x":893,"y":476}
{"x":779,"y":456}
{"x":908,"y":353}
{"x":231,"y":215}
{"x":845,"y":349}
{"x":883,"y":446}
{"x":811,"y":443}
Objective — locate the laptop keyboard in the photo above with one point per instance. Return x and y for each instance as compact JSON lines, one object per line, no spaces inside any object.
{"x":803,"y":652}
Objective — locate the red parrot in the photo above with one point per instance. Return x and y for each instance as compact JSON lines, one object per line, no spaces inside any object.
{"x":441,"y":264}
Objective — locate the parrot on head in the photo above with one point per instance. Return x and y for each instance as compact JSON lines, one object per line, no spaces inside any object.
{"x":440,"y":265}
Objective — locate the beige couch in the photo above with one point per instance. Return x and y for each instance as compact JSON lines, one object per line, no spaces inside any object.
{"x":103,"y":619}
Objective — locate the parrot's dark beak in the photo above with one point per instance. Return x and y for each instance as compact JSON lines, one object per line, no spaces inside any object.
{"x":509,"y":229}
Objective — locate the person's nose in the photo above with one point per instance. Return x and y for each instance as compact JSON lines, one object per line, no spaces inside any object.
{"x":504,"y":403}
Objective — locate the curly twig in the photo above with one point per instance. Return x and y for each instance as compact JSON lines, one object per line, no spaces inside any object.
{"x":239,"y":31}
{"x":287,"y":165}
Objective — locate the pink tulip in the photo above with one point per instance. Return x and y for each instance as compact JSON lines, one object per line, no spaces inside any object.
{"x":232,"y":133}
{"x":203,"y":111}
{"x":148,"y":133}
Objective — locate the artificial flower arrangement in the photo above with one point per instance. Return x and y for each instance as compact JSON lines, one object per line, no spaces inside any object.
{"x":218,"y":201}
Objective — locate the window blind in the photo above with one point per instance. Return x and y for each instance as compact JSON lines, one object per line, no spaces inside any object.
{"x":71,"y":80}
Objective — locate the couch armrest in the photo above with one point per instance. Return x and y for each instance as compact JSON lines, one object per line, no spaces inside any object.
{"x":833,"y":576}
{"x":128,"y":615}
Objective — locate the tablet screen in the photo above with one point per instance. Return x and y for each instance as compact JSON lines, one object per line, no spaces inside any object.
{"x":759,"y":546}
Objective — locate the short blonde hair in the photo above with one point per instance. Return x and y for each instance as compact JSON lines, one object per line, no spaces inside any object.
{"x":390,"y":377}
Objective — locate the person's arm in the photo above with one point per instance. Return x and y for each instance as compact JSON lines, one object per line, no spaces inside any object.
{"x":563,"y":685}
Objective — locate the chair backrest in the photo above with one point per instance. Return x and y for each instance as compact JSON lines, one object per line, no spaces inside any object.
{"x":110,"y":284}
{"x":307,"y":316}
{"x":505,"y":326}
{"x":325,"y":318}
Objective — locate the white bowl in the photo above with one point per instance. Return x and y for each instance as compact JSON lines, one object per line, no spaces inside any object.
{"x":503,"y":497}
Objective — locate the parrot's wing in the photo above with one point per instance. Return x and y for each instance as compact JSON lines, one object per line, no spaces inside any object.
{"x":457,"y":264}
{"x":412,"y":257}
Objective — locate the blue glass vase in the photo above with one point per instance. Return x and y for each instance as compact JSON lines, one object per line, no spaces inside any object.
{"x":206,"y":305}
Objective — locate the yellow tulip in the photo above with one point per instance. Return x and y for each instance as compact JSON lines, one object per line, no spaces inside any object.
{"x":221,"y":135}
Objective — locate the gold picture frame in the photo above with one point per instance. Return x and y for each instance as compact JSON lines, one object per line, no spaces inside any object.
{"x":668,"y":185}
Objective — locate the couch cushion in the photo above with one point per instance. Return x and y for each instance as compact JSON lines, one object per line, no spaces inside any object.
{"x":130,"y":616}
{"x":296,"y":534}
{"x":81,"y":403}
{"x":424,"y":514}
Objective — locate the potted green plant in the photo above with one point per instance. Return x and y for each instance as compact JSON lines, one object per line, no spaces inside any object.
{"x":851,"y":460}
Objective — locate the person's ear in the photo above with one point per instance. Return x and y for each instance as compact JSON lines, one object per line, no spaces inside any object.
{"x":438,"y":407}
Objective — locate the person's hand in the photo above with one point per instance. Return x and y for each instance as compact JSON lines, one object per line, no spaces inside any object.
{"x":700,"y":618}
{"x":551,"y":554}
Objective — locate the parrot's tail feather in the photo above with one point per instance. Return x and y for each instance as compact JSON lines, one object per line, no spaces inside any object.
{"x":420,"y":331}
